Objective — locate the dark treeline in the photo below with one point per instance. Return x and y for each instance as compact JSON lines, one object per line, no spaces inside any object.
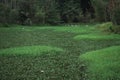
{"x":53,"y":11}
{"x":41,"y":11}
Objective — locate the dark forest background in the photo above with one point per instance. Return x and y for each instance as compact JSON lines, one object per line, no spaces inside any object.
{"x":54,"y":12}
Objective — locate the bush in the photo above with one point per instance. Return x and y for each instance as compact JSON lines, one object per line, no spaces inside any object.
{"x":106,"y":27}
{"x":109,"y":27}
{"x":116,"y":29}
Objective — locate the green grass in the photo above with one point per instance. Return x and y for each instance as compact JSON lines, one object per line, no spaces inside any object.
{"x":104,"y":64}
{"x":75,"y":29}
{"x":29,"y":50}
{"x":62,"y":62}
{"x":98,"y":36}
{"x":67,"y":28}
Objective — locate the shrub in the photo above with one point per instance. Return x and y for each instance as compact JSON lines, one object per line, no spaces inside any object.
{"x":116,"y":29}
{"x":106,"y":27}
{"x":109,"y":27}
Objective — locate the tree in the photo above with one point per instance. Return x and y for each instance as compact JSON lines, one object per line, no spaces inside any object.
{"x":114,"y":9}
{"x":100,"y":9}
{"x":26,"y":11}
{"x":4,"y":13}
{"x":69,"y":10}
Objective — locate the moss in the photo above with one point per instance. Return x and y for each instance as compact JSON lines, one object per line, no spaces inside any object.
{"x":29,"y":50}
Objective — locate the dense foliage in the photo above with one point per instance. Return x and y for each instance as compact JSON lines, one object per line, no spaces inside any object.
{"x":39,"y":11}
{"x":58,"y":11}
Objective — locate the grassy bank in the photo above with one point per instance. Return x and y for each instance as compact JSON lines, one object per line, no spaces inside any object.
{"x":103,"y":64}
